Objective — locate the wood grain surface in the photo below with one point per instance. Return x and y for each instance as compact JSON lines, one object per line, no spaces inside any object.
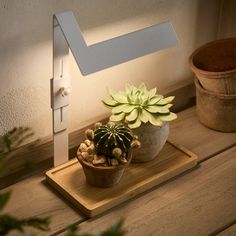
{"x":32,"y":197}
{"x":231,"y":231}
{"x":194,"y":204}
{"x":205,"y":142}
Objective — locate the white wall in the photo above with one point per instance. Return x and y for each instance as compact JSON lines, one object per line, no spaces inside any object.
{"x":26,"y":54}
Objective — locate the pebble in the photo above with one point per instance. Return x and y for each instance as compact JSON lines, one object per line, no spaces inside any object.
{"x":84,"y":155}
{"x":114,"y":162}
{"x":87,"y":142}
{"x":83,"y":147}
{"x":89,"y":158}
{"x":90,"y":149}
{"x":99,"y":160}
{"x":123,"y":160}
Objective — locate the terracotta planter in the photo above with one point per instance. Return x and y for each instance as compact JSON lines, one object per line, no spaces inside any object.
{"x":100,"y":176}
{"x":152,"y":140}
{"x":216,"y":111}
{"x":215,"y":65}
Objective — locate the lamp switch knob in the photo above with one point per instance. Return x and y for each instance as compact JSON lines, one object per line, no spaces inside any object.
{"x":65,"y":91}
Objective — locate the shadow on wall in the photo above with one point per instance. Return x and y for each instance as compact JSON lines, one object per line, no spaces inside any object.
{"x":206,"y":32}
{"x":101,"y":12}
{"x":227,"y":20}
{"x":26,"y":51}
{"x":36,"y":16}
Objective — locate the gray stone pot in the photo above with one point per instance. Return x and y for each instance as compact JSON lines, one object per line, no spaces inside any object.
{"x":152,"y":139}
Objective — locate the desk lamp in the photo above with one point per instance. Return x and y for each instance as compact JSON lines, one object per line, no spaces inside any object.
{"x":90,"y":59}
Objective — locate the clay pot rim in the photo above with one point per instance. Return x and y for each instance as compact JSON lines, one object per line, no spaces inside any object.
{"x":102,"y":168}
{"x":213,"y":94}
{"x":210,"y":74}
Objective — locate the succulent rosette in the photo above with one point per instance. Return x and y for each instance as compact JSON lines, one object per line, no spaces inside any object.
{"x":137,"y":105}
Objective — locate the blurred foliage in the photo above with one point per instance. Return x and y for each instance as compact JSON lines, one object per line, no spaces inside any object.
{"x":9,"y":223}
{"x":9,"y":142}
{"x":13,"y":139}
{"x":114,"y":230}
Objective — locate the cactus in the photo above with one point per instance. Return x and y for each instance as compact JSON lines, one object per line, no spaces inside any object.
{"x":110,"y":141}
{"x":137,"y":105}
{"x":110,"y":136}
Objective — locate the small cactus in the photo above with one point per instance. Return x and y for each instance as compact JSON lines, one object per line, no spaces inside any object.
{"x":110,"y":136}
{"x":108,"y":144}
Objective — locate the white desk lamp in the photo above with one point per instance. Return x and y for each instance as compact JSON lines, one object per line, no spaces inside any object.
{"x":90,"y":59}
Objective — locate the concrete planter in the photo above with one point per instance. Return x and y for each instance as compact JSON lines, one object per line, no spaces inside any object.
{"x":216,"y":111}
{"x":152,"y":140}
{"x":214,"y":64}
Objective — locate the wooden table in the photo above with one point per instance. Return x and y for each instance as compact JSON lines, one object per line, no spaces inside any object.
{"x":199,"y":202}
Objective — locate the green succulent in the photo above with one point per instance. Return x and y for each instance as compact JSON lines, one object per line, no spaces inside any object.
{"x":136,"y":105}
{"x":111,"y":136}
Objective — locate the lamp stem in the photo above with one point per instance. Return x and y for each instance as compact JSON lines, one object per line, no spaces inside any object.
{"x":60,"y":99}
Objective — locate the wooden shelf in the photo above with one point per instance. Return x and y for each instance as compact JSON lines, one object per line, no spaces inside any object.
{"x":69,"y":180}
{"x":203,"y":199}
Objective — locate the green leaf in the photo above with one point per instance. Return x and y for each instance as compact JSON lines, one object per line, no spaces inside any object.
{"x":155,"y":99}
{"x":110,"y":102}
{"x":114,"y":230}
{"x":132,"y":116}
{"x":137,"y":100}
{"x":126,"y":108}
{"x":169,"y":117}
{"x":120,"y":97}
{"x":37,"y":223}
{"x":128,"y":89}
{"x":135,"y":124}
{"x":152,"y":93}
{"x":4,"y":198}
{"x":158,"y":109}
{"x":117,"y":117}
{"x":9,"y":223}
{"x":144,"y":116}
{"x":165,"y":101}
{"x":144,"y":98}
{"x":155,"y":120}
{"x":142,"y":87}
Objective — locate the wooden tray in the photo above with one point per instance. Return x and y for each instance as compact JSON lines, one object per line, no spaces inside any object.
{"x":69,"y":180}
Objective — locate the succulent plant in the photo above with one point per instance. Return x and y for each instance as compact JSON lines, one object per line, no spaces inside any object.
{"x":108,"y":144}
{"x":136,"y":105}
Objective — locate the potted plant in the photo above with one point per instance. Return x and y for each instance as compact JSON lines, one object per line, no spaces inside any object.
{"x":147,"y":113}
{"x":214,"y":64}
{"x":106,"y":152}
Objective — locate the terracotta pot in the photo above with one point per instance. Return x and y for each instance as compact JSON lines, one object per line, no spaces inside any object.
{"x":216,"y":111}
{"x":152,"y":140}
{"x":103,"y":176}
{"x":215,"y":65}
